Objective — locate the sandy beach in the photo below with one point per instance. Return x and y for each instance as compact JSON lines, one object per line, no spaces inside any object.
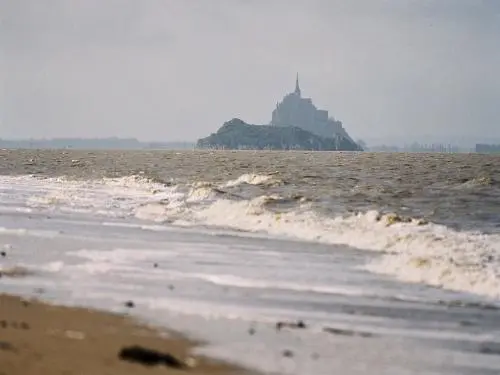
{"x":39,"y":338}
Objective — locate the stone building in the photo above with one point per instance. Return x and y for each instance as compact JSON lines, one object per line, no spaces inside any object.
{"x":294,"y":110}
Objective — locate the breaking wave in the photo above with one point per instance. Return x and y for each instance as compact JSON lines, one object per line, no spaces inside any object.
{"x":411,"y":249}
{"x":254,"y":179}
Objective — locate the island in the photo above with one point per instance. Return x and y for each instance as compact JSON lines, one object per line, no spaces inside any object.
{"x":296,"y":124}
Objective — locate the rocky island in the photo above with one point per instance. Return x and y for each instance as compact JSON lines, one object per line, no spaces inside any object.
{"x":296,"y":125}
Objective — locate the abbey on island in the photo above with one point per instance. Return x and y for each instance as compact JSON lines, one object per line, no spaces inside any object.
{"x":296,"y":124}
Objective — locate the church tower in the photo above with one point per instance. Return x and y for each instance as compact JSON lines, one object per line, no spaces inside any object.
{"x":297,"y":87}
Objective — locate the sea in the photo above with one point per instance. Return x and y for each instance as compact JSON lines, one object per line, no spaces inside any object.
{"x":376,"y":263}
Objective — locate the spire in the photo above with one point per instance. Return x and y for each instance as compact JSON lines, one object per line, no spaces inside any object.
{"x":297,"y":87}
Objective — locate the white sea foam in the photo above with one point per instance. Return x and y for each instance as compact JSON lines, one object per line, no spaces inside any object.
{"x":120,"y":260}
{"x":253,"y":179}
{"x":53,"y":267}
{"x":242,"y":282}
{"x":29,"y":232}
{"x":428,"y":253}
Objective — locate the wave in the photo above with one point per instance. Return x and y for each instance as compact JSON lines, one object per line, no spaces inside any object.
{"x":254,"y":179}
{"x":411,"y":249}
{"x":480,"y":181}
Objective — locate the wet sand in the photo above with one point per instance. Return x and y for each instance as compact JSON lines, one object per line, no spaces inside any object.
{"x":38,"y":338}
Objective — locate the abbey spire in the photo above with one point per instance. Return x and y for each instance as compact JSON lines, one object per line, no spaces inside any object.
{"x":297,"y":87}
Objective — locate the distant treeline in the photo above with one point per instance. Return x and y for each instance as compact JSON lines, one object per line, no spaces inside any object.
{"x":93,"y":144}
{"x":487,"y":149}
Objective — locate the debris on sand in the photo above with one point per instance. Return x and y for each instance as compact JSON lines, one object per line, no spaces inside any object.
{"x":74,"y":335}
{"x":149,"y":357}
{"x":298,"y":324}
{"x":346,"y":332}
{"x":7,"y":346}
{"x":14,"y":324}
{"x":489,"y":348}
{"x":15,"y":272}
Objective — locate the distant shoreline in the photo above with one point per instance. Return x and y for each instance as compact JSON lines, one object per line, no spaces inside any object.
{"x":112,"y":143}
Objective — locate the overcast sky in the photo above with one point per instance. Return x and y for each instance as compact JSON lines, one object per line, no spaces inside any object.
{"x":177,"y":69}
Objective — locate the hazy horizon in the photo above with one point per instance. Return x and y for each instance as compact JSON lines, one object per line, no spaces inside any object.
{"x":370,"y":142}
{"x":175,"y":71}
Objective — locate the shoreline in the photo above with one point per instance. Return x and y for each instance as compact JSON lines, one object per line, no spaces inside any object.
{"x":38,"y":338}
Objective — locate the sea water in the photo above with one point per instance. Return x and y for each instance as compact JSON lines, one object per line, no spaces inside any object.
{"x":391,"y":260}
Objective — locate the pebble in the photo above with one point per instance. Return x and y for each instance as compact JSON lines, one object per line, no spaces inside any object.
{"x":74,"y":335}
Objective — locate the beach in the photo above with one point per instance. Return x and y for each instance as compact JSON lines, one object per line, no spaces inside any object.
{"x":307,"y":265}
{"x":39,"y":338}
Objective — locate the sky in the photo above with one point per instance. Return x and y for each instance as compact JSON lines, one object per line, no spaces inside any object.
{"x":175,"y":70}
